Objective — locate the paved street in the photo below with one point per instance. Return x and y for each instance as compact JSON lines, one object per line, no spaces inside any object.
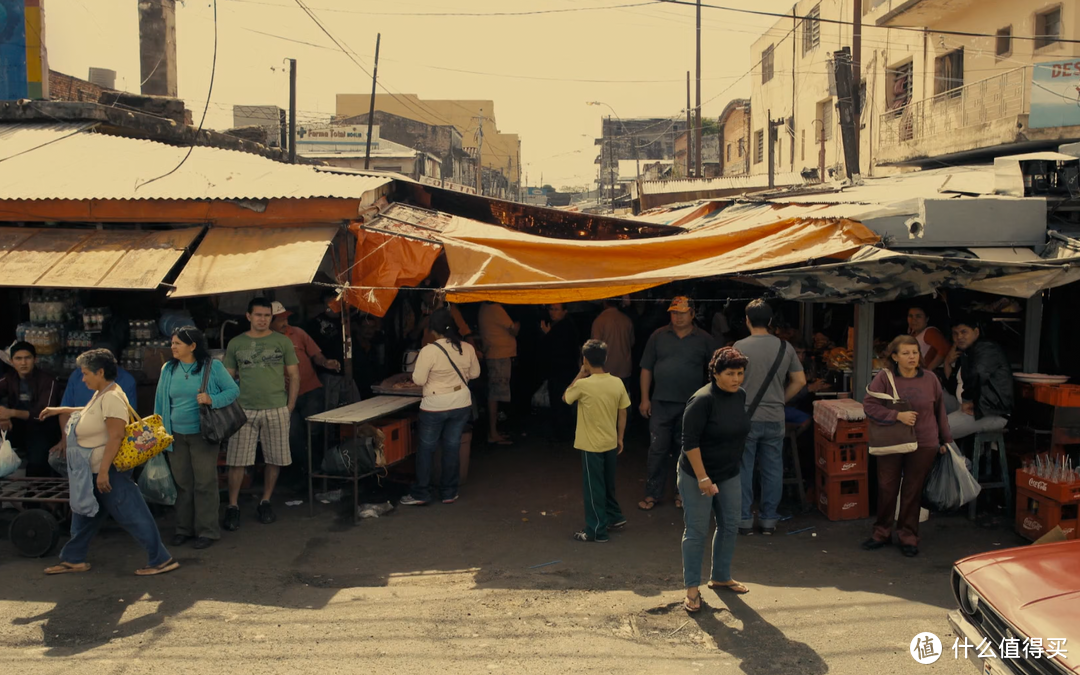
{"x":449,"y":589}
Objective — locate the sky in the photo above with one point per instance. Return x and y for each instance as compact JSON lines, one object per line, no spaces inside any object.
{"x":540,"y":69}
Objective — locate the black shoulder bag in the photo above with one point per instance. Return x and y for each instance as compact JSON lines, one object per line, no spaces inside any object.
{"x":768,"y":379}
{"x":218,"y":424}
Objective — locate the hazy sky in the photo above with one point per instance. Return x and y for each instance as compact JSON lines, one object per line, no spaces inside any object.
{"x":539,"y":69}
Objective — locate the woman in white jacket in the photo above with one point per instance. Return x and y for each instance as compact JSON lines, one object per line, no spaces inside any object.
{"x":444,"y":369}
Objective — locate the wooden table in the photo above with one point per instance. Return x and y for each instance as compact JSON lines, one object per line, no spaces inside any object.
{"x":354,"y":414}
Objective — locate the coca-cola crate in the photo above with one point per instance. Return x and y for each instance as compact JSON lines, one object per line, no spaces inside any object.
{"x":837,"y":459}
{"x":395,"y":439}
{"x":849,"y":432}
{"x":843,"y":497}
{"x":1062,"y":493}
{"x":1037,"y":514}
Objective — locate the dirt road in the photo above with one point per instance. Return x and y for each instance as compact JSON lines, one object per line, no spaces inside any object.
{"x":459,"y":589}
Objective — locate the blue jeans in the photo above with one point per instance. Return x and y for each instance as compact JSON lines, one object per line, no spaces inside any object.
{"x":765,"y":445}
{"x":435,"y":427}
{"x":697,"y":509}
{"x":128,"y":508}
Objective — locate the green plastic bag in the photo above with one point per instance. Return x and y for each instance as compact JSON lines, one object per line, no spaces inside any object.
{"x":156,"y":481}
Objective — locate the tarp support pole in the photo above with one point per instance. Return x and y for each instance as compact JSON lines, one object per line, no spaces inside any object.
{"x":864,"y":349}
{"x":806,"y":319}
{"x":1033,"y":320}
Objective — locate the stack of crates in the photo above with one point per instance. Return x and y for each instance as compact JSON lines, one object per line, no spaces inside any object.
{"x":1042,"y":504}
{"x":840,"y":466}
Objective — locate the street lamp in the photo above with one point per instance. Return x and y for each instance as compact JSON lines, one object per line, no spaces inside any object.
{"x":611,"y":157}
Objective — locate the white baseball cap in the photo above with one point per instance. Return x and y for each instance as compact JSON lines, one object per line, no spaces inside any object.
{"x":278,"y":309}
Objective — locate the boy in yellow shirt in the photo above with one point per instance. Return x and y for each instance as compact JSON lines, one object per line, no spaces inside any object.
{"x":601,"y":423}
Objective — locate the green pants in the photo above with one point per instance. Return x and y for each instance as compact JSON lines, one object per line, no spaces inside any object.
{"x":598,"y":480}
{"x":194,"y":467}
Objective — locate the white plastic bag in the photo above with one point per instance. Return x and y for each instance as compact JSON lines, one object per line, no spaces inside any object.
{"x":9,"y":461}
{"x":156,"y":482}
{"x":950,"y":484}
{"x":540,"y":399}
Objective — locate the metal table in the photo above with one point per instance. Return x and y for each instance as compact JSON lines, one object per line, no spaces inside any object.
{"x":354,"y":414}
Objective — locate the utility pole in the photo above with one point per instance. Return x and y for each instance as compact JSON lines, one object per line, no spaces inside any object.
{"x":613,"y":162}
{"x":697,"y":136}
{"x":480,"y":152}
{"x":689,"y":131}
{"x":794,"y":62}
{"x":371,"y":108}
{"x":283,"y":129}
{"x":292,"y":111}
{"x":856,"y":66}
{"x":844,"y":104}
{"x":773,"y":126}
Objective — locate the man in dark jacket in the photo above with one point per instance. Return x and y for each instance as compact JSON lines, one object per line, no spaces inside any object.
{"x":981,"y":381}
{"x":561,"y":355}
{"x":24,"y":392}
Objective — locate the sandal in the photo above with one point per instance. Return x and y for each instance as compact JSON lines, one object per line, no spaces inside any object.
{"x":68,"y":568}
{"x":167,"y":566}
{"x":690,"y":605}
{"x":678,"y":502}
{"x":733,"y":586}
{"x":647,"y":504}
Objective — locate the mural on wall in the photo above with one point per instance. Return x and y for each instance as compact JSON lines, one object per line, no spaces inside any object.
{"x":24,"y":70}
{"x":1055,"y":94}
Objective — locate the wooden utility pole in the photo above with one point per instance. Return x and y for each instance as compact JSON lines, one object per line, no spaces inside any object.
{"x":697,"y":124}
{"x":689,"y":131}
{"x":371,"y":108}
{"x":846,"y":109}
{"x":283,"y":129}
{"x":856,"y":67}
{"x":613,"y":162}
{"x":480,"y":152}
{"x":773,"y":126}
{"x":794,"y":68}
{"x":292,"y":111}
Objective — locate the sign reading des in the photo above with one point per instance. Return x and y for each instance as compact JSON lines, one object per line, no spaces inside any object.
{"x":1055,"y":94}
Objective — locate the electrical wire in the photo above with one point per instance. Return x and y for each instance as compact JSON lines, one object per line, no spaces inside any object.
{"x":467,"y":14}
{"x":209,"y":94}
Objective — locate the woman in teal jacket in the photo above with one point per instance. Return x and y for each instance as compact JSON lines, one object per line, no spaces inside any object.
{"x":193,"y":459}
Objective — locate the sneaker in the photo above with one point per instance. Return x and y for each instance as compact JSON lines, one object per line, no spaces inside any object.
{"x":582,"y":535}
{"x":450,"y":500}
{"x":231,"y":521}
{"x":768,"y":531}
{"x":409,"y":500}
{"x":265,"y":513}
{"x":203,"y":543}
{"x":746,"y":531}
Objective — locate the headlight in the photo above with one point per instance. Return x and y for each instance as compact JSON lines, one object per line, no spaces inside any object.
{"x":969,"y":599}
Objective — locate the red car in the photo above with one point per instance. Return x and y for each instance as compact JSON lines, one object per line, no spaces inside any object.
{"x":1017,"y":598}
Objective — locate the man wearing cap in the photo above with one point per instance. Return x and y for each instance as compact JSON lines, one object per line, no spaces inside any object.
{"x":262,"y":361}
{"x":311,"y":400}
{"x":675,"y":360}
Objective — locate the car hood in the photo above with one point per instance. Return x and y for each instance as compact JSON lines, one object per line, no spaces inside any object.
{"x":1034,"y":588}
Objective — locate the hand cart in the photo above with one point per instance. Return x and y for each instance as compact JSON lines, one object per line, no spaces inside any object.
{"x":42,"y":505}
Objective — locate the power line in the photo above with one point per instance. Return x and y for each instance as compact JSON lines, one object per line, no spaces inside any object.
{"x":467,"y":14}
{"x":209,"y":93}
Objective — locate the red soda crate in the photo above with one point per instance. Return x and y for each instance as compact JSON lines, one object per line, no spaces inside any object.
{"x":395,"y":439}
{"x":837,"y":459}
{"x":1060,"y":395}
{"x":1037,"y":514}
{"x":1062,"y":493}
{"x":851,"y":432}
{"x":844,"y":497}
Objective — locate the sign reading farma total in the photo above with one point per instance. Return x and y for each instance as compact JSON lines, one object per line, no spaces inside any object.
{"x":335,"y":138}
{"x":1055,"y":94}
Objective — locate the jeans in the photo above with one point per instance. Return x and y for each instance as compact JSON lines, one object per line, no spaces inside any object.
{"x":665,"y":436}
{"x":194,"y":468}
{"x":308,"y":404}
{"x":964,"y":425}
{"x":697,"y":509}
{"x":765,"y":445}
{"x":128,"y":508}
{"x":446,"y":427}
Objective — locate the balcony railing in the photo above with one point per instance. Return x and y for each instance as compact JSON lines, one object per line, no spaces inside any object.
{"x":995,"y":98}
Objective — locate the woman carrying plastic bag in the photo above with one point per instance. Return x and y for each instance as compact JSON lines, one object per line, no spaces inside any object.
{"x":950,"y":485}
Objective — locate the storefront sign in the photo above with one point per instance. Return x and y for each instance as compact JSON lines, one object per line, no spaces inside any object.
{"x":335,"y":138}
{"x":1055,"y":94}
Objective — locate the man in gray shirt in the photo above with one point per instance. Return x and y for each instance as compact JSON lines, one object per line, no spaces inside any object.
{"x":765,"y":444}
{"x":676,"y":358}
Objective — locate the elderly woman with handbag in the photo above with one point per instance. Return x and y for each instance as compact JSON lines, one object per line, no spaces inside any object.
{"x":905,"y":406}
{"x":97,"y":488}
{"x":191,"y":384}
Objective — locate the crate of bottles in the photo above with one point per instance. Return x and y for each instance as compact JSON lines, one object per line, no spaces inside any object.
{"x":1037,"y":514}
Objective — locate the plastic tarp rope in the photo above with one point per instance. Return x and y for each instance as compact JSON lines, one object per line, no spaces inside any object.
{"x":490,"y":263}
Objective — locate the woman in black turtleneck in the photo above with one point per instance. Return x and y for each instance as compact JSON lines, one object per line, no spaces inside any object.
{"x":715,"y":426}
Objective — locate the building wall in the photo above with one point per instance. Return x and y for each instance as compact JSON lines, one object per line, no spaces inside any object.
{"x":67,"y":88}
{"x":735,"y":142}
{"x":444,"y":141}
{"x":397,"y":165}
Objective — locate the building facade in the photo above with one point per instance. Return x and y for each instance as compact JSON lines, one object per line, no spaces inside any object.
{"x":443,"y":141}
{"x":640,"y":139}
{"x":735,"y":138}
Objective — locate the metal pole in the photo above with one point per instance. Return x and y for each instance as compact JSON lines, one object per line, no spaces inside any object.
{"x":864,"y":349}
{"x":856,"y":71}
{"x":697,"y":135}
{"x":283,"y":129}
{"x":1033,"y":320}
{"x":613,"y":162}
{"x":371,"y":108}
{"x":689,"y":130}
{"x":292,"y":111}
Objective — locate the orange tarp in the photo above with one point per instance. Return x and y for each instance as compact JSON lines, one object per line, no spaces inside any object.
{"x":385,"y":262}
{"x":492,"y":263}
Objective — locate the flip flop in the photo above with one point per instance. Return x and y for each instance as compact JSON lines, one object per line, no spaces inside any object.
{"x":733,"y":586}
{"x":67,"y":568}
{"x":167,"y":566}
{"x":678,"y":502}
{"x":647,"y":504}
{"x":690,"y":607}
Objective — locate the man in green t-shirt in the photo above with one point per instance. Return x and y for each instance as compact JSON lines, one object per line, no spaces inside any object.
{"x":602,"y":403}
{"x":260,"y":360}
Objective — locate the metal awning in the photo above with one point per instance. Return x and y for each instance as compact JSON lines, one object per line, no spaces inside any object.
{"x":230,"y":260}
{"x":102,"y":259}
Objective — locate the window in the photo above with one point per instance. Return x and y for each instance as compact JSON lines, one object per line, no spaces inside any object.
{"x":729,"y":152}
{"x":1003,"y":46}
{"x":759,"y":146}
{"x":767,"y":64}
{"x":949,"y":73}
{"x":811,"y":30}
{"x":898,"y":93}
{"x":802,"y":147}
{"x":742,"y":147}
{"x":1047,"y":28}
{"x":825,"y":114}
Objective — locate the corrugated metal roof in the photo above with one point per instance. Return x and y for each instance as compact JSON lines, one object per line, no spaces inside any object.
{"x":230,"y":260}
{"x":106,"y":259}
{"x":72,"y":161}
{"x":678,"y":185}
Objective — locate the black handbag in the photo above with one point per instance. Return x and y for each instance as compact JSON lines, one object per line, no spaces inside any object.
{"x":219,"y":424}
